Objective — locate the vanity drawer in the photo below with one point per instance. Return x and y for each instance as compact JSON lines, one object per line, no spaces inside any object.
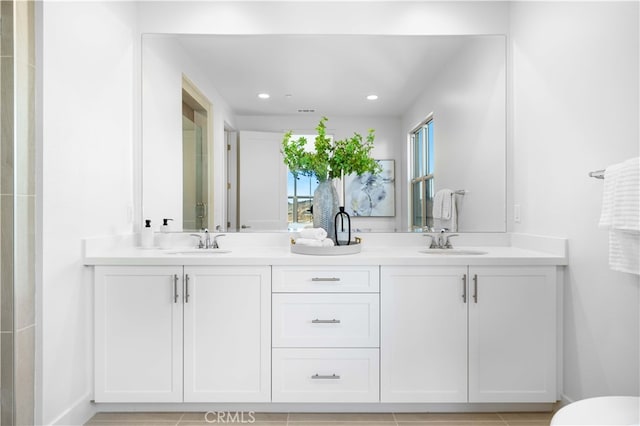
{"x":325,"y":375}
{"x":326,"y":279}
{"x":326,"y":320}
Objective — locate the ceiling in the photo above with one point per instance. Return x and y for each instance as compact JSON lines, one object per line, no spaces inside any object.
{"x":331,"y":75}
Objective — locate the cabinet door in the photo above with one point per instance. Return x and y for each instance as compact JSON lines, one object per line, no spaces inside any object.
{"x":512,"y":329}
{"x":423,"y":347}
{"x":227,"y":336}
{"x":138,"y":334}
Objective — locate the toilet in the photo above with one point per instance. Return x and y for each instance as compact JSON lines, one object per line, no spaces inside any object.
{"x":602,"y":411}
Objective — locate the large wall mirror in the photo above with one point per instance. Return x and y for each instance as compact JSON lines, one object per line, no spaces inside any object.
{"x":455,"y":83}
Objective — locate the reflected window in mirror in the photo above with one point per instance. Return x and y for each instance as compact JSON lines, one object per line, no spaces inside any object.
{"x":300,"y":192}
{"x":300,"y":199}
{"x":422,"y":165}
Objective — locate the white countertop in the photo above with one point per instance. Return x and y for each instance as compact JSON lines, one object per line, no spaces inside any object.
{"x":281,"y":255}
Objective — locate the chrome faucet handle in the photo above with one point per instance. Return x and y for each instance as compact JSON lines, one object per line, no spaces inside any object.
{"x":200,"y":241}
{"x":447,"y":243}
{"x":215,"y":240}
{"x":433,"y":244}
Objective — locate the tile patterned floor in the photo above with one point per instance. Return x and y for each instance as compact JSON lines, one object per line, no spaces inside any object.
{"x":326,"y":419}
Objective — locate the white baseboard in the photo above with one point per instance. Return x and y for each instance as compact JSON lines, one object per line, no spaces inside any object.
{"x":78,"y":414}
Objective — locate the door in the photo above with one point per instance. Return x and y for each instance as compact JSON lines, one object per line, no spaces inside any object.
{"x":195,"y":178}
{"x":423,"y":347}
{"x":227,"y":334}
{"x":262,"y":182}
{"x":138,"y":340}
{"x":512,"y":329}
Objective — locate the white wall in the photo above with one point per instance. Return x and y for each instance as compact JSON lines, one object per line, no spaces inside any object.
{"x":318,"y":17}
{"x":574,"y":110}
{"x":88,"y":52}
{"x":163,"y":64}
{"x":387,"y":146}
{"x":468,"y":101}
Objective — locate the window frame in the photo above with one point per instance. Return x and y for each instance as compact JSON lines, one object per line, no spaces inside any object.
{"x":422,"y":179}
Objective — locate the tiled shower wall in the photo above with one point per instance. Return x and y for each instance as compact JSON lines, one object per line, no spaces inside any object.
{"x":17,"y":208}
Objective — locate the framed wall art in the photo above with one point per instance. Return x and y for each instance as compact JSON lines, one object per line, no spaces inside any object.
{"x":371,"y":195}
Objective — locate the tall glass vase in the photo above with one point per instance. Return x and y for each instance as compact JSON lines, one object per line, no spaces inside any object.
{"x":325,"y":206}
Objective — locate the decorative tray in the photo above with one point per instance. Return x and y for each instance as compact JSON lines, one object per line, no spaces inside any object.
{"x":352,"y":248}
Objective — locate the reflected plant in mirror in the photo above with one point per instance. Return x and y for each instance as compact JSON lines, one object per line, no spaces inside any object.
{"x":329,"y":159}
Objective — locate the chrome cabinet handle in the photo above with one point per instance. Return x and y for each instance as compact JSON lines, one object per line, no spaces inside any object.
{"x":331,"y":377}
{"x":331,"y":321}
{"x":464,"y":288}
{"x":186,"y":288}
{"x":175,"y":288}
{"x":475,"y":288}
{"x":320,"y":279}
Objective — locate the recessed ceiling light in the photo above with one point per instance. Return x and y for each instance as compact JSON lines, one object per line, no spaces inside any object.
{"x":372,"y":97}
{"x":264,"y":95}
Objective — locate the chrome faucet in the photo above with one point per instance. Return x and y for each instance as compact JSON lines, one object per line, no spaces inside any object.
{"x":215,"y":240}
{"x":206,"y":243}
{"x":441,"y":240}
{"x":207,"y":239}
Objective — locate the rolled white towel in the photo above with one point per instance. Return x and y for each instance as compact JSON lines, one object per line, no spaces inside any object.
{"x":327,"y":242}
{"x":309,"y":242}
{"x":313,"y":233}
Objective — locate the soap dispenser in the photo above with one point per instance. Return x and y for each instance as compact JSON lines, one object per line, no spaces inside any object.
{"x":164,"y":237}
{"x":146,"y":237}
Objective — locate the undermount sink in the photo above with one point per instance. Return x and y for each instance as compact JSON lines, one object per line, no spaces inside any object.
{"x":198,"y":252}
{"x":453,"y":251}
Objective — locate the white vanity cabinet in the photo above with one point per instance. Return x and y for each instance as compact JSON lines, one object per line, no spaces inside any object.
{"x":497,"y":322}
{"x":512,"y":334}
{"x":424,"y":334}
{"x":227,"y":335}
{"x":325,"y":334}
{"x":182,"y":334}
{"x":138,"y":334}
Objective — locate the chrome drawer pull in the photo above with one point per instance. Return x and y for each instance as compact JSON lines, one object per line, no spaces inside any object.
{"x":319,"y":279}
{"x":475,"y":288}
{"x":332,"y":377}
{"x":175,"y":288}
{"x":186,"y":289}
{"x":319,"y":321}
{"x":464,"y":288}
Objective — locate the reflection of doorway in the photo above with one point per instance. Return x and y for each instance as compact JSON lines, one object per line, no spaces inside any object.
{"x":231,"y":139}
{"x":196,"y":190}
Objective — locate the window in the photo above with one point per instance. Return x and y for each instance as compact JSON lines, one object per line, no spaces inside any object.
{"x":300,"y":196}
{"x":300,"y":192}
{"x":422,"y":165}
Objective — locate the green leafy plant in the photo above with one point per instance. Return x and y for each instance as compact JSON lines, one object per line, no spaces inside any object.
{"x":330,"y":158}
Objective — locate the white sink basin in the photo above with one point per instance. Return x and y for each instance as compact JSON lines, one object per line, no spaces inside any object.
{"x":198,"y":252}
{"x":453,"y":251}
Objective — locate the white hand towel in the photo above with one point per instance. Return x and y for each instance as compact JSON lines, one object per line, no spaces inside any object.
{"x":313,"y":233}
{"x":309,"y":242}
{"x":624,"y":251}
{"x":621,"y":215}
{"x":611,"y":174}
{"x":442,"y":204}
{"x":626,"y":197}
{"x":327,"y":242}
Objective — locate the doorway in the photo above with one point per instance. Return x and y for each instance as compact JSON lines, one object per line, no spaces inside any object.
{"x":196,"y":158}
